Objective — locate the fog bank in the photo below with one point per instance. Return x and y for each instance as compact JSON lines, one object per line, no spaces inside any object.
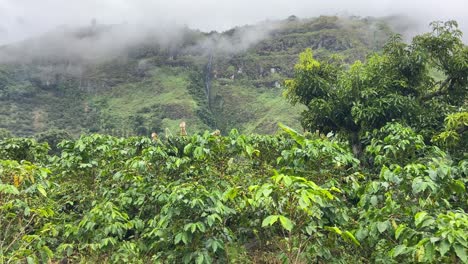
{"x":21,"y":19}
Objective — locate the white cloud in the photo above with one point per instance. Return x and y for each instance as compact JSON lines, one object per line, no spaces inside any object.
{"x":20,"y":19}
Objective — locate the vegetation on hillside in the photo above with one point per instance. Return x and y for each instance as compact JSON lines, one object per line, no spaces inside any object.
{"x":395,"y":85}
{"x":150,"y":86}
{"x":284,"y":198}
{"x":238,"y":199}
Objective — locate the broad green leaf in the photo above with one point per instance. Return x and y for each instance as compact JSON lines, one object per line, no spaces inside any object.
{"x":361,"y":234}
{"x":398,"y":250}
{"x":201,"y":227}
{"x":461,"y":252}
{"x":429,"y":252}
{"x":231,"y":193}
{"x":178,"y":238}
{"x":444,"y":247}
{"x":266,"y":191}
{"x":427,"y":222}
{"x":335,"y":189}
{"x":293,"y":133}
{"x":382,"y":226}
{"x":458,"y":186}
{"x":287,"y":181}
{"x":27,"y":211}
{"x":8,"y":189}
{"x":188,"y":148}
{"x":419,"y":217}
{"x":185,"y":238}
{"x":286,"y":223}
{"x":270,"y":220}
{"x":41,"y":189}
{"x":420,"y":254}
{"x":200,"y":258}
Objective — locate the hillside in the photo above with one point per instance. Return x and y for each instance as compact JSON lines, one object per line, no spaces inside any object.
{"x":379,"y":176}
{"x":75,"y":80}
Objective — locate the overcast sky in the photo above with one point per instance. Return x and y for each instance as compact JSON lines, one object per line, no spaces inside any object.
{"x":20,"y":19}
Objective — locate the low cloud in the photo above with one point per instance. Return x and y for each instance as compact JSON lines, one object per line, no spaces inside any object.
{"x":91,"y":29}
{"x":21,"y":19}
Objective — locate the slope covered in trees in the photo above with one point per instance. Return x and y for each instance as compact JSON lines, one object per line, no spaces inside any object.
{"x":284,"y":198}
{"x":82,"y":81}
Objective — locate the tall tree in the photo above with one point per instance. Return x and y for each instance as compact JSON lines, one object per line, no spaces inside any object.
{"x":417,"y":83}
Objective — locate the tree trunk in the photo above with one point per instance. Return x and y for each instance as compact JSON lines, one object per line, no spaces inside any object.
{"x":356,"y":145}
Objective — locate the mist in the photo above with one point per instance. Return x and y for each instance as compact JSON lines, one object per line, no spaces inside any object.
{"x":50,"y":27}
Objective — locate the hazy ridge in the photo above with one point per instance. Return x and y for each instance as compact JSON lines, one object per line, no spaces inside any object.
{"x":121,"y":80}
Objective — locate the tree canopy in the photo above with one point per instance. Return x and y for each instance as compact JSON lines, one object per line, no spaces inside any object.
{"x":418,"y":83}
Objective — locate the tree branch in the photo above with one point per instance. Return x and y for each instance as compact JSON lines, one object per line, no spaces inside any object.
{"x":441,"y":91}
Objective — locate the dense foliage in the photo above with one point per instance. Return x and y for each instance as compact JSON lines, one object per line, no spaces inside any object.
{"x":206,"y":198}
{"x":284,"y":198}
{"x":398,"y":84}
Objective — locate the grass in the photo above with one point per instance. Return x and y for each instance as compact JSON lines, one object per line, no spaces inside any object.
{"x":164,"y":89}
{"x":253,"y":110}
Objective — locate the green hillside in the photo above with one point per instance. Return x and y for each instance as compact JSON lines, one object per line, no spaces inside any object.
{"x":379,"y":176}
{"x":211,"y":80}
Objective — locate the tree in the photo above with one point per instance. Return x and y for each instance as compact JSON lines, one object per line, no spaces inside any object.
{"x":399,"y":84}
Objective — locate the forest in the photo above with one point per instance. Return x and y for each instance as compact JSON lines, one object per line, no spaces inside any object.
{"x":377,"y":175}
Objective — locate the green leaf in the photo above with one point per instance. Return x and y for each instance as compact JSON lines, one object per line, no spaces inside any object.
{"x":201,"y":227}
{"x":444,"y":247}
{"x":188,"y":148}
{"x":270,"y":220}
{"x":398,"y":250}
{"x":399,"y":231}
{"x":215,"y":245}
{"x":266,"y":190}
{"x":334,"y":229}
{"x":41,"y":189}
{"x":287,"y":181}
{"x":419,"y":217}
{"x":461,"y":252}
{"x":200,"y":258}
{"x":429,"y":252}
{"x":427,"y":222}
{"x":178,"y":238}
{"x":418,"y":185}
{"x":335,"y":189}
{"x":361,"y":234}
{"x":286,"y":223}
{"x":8,"y":189}
{"x":458,"y":186}
{"x":382,"y":226}
{"x":293,"y":133}
{"x":190,"y":226}
{"x":350,"y":236}
{"x":231,"y":193}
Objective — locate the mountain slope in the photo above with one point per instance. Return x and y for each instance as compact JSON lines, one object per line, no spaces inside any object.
{"x":153,"y":80}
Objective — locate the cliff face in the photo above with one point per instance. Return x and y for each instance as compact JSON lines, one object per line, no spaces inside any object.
{"x":144,"y":84}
